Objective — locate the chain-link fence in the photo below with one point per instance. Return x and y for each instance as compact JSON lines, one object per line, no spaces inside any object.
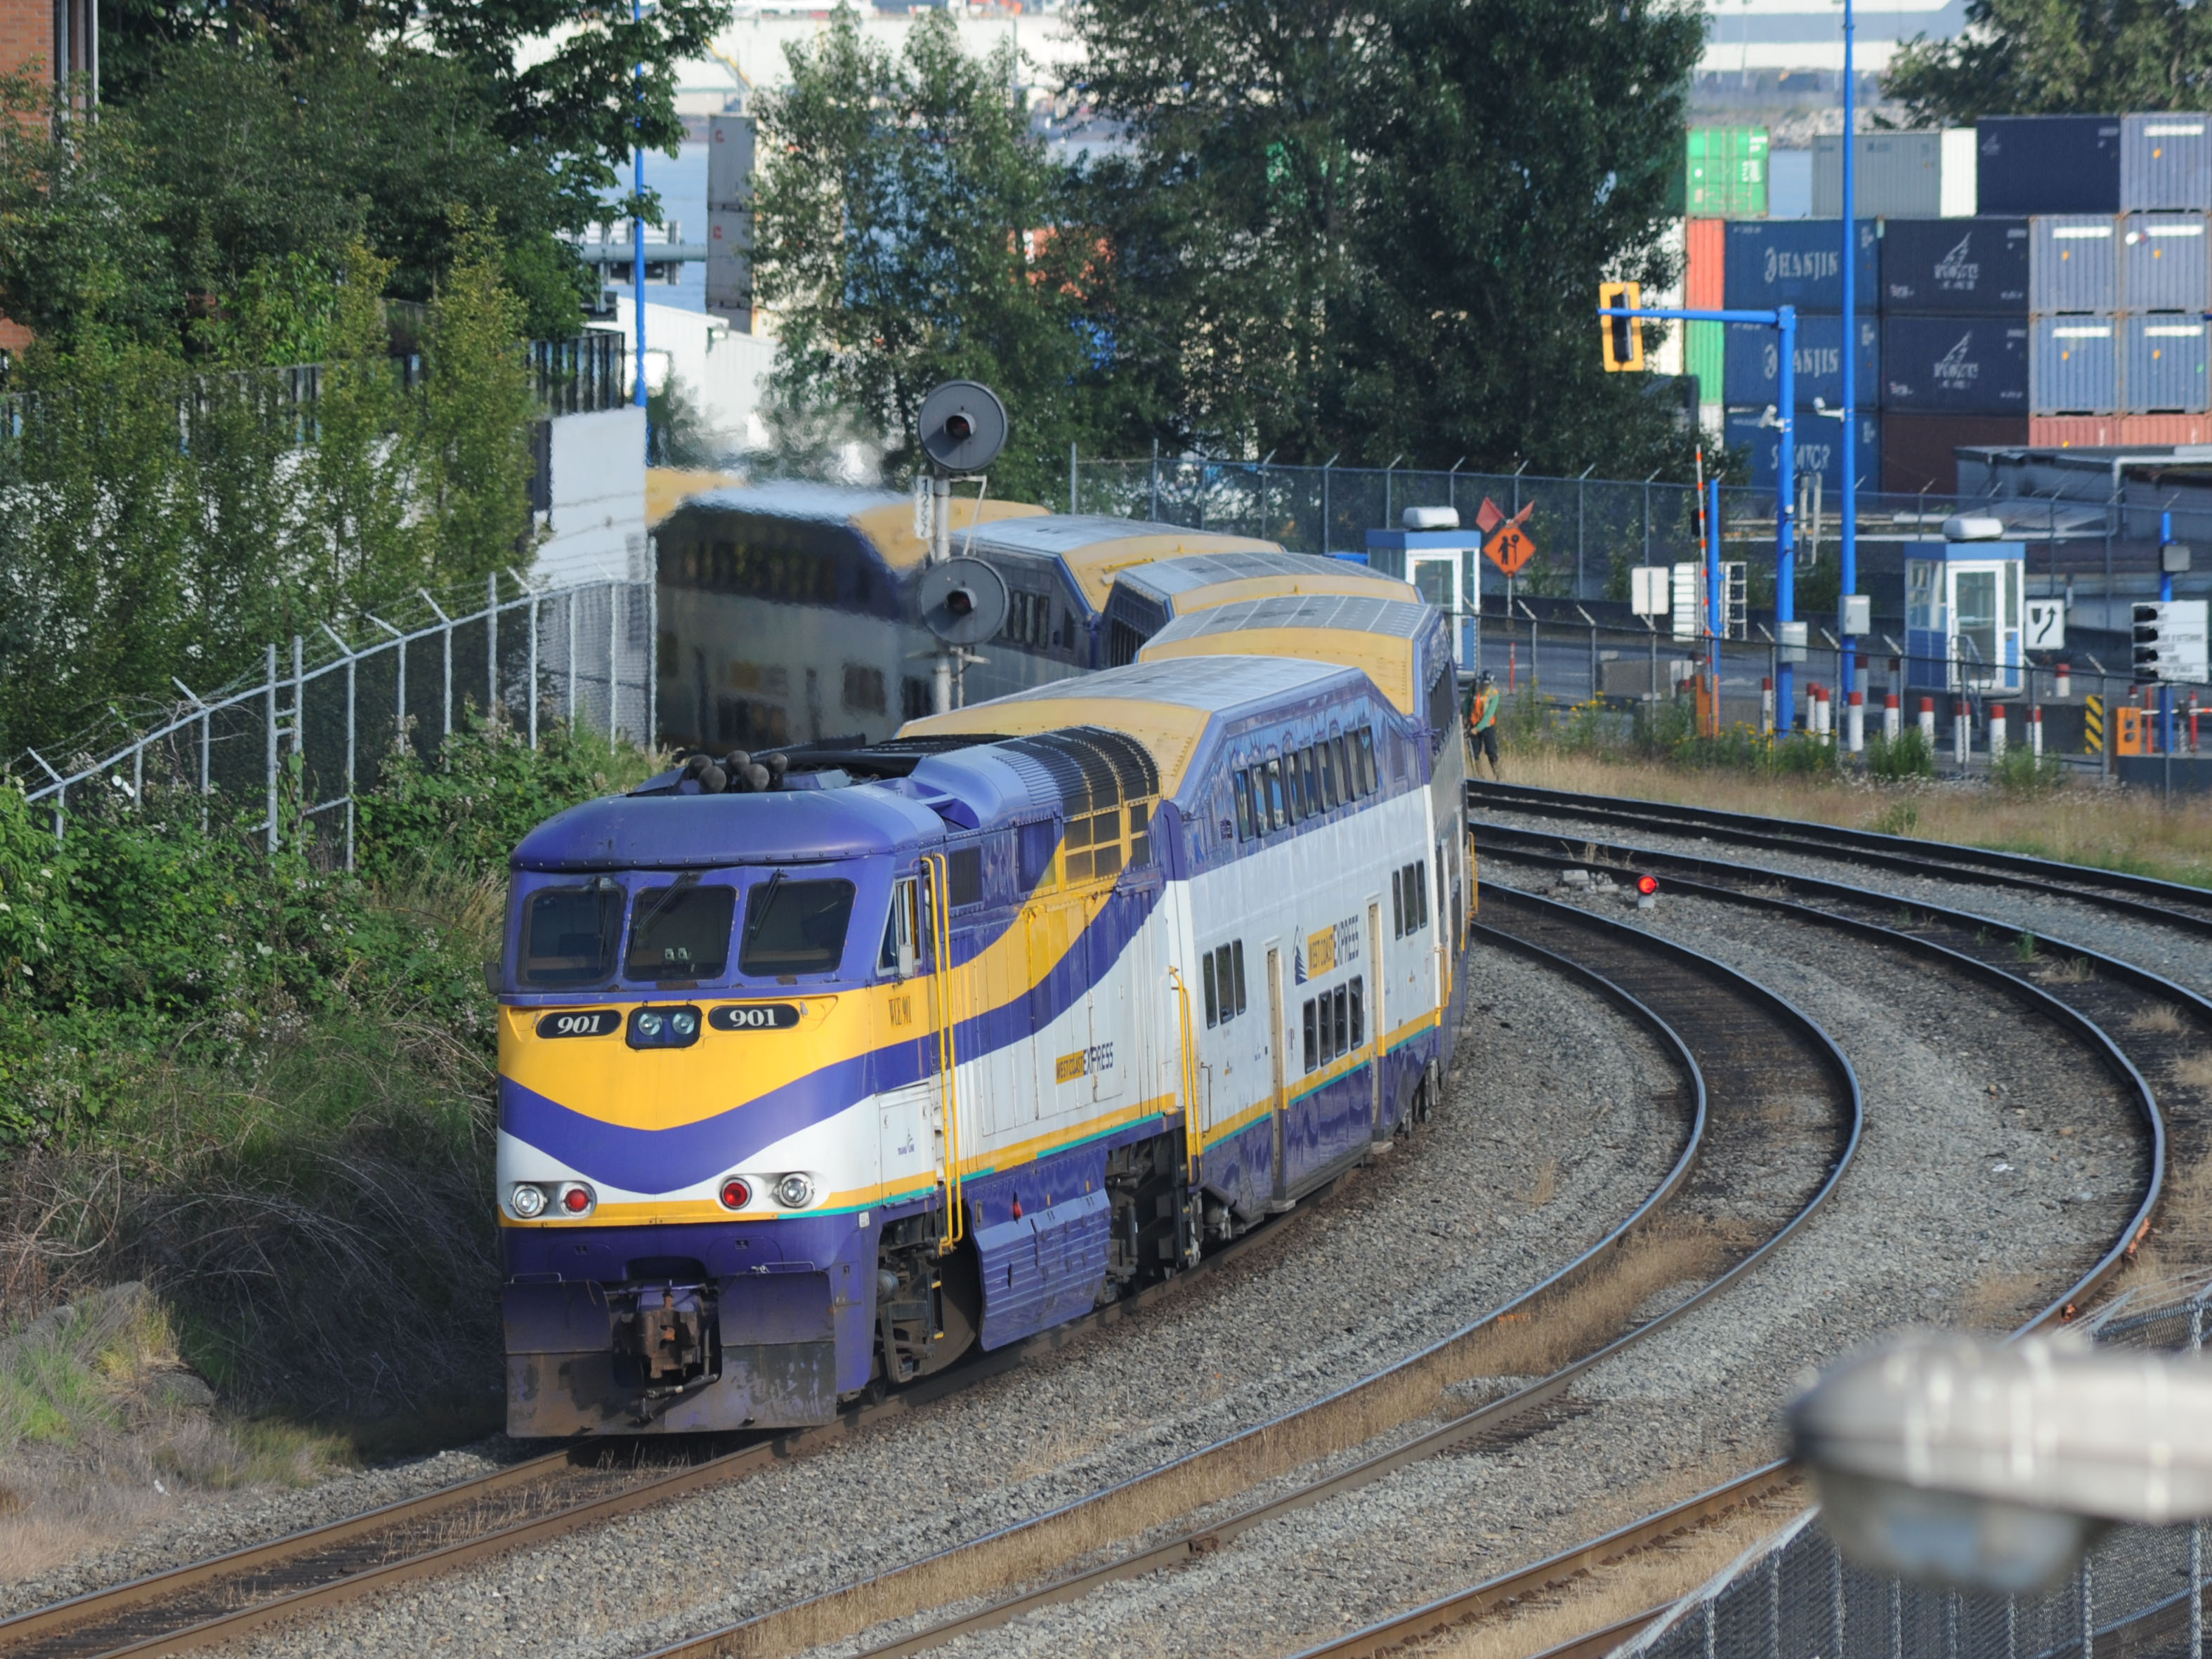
{"x":316,"y":727}
{"x":2140,"y":1591}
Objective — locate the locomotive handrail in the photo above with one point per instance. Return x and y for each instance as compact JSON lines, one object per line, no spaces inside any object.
{"x":1193,"y":1131}
{"x":947,"y":1049}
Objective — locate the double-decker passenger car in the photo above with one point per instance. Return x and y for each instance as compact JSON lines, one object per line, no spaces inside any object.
{"x":951,"y":1037}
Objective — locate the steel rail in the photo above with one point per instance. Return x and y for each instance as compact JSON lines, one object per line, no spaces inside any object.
{"x":2166,"y":903}
{"x":1462,"y":1607}
{"x":2100,"y":1042}
{"x":109,"y":1622}
{"x":755,"y":1634}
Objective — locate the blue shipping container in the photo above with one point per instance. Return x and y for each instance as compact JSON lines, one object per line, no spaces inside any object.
{"x":1797,"y":261}
{"x":2047,"y":164}
{"x":1959,"y":365}
{"x":1820,"y":448}
{"x":2074,"y":366}
{"x":1749,"y":370}
{"x":2166,"y":368}
{"x":1972,"y":267}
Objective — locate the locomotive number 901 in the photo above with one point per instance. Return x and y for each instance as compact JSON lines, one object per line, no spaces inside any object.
{"x":756,"y":1017}
{"x":581,"y":1021}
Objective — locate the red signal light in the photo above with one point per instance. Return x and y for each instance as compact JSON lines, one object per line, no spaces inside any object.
{"x":1647,"y":885}
{"x":736,"y":1195}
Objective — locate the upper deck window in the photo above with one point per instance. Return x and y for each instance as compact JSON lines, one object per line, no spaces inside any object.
{"x":570,"y":934}
{"x":796,"y":926}
{"x":680,"y":932}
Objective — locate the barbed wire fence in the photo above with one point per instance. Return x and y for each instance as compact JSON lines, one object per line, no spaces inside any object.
{"x":2141,"y":1590}
{"x":332,"y":709}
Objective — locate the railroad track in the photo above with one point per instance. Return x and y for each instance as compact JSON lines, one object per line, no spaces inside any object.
{"x":531,"y":1502}
{"x":1773,"y":1095}
{"x":2111,"y":994}
{"x":2143,"y":898}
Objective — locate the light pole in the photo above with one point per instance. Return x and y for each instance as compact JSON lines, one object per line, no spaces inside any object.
{"x":1849,"y":570}
{"x":637,"y":233}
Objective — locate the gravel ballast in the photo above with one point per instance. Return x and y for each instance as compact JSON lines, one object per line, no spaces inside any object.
{"x":1434,"y":1235}
{"x":1963,"y":1206}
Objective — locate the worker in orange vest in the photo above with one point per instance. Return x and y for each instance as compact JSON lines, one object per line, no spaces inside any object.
{"x":1482,"y":721}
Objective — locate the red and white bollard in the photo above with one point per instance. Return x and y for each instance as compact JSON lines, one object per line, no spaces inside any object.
{"x":2035,"y":731}
{"x":1962,"y":731}
{"x":1892,"y":716}
{"x":1855,"y":724}
{"x":1766,"y":706}
{"x":2065,"y":676}
{"x":1928,"y":722}
{"x":1997,"y":733}
{"x":1818,"y":696}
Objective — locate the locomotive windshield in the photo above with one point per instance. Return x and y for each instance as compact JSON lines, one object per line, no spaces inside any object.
{"x":680,"y":932}
{"x":569,"y":934}
{"x":796,"y":926}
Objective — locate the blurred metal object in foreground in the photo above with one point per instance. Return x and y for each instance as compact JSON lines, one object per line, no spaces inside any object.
{"x":1962,"y":1461}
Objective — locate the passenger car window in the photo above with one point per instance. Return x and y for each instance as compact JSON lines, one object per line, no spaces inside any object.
{"x":570,"y":934}
{"x":1243,"y":782}
{"x":1277,"y":810}
{"x":796,"y":926}
{"x":679,"y":933}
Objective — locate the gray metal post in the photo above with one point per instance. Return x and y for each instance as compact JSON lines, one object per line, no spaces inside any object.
{"x":491,"y":645}
{"x":2088,"y":1610}
{"x":1581,"y":493}
{"x":445,"y":702}
{"x":1836,"y":1609}
{"x":137,"y":776}
{"x":614,"y":624}
{"x":569,"y":663}
{"x":300,"y":712}
{"x":1153,"y":511}
{"x":269,"y":735}
{"x":533,"y":670}
{"x":652,"y":665}
{"x":1071,"y":480}
{"x":353,"y":742}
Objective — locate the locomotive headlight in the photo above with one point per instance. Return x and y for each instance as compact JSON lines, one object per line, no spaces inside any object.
{"x":684,"y":1023}
{"x":577,"y":1199}
{"x":649,"y":1024}
{"x":795,"y":1191}
{"x":526,"y":1200}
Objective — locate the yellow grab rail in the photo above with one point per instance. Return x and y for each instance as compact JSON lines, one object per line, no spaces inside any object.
{"x":947,"y":1054}
{"x":1193,"y":1133}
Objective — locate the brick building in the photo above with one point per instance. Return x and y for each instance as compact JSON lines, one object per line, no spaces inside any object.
{"x":63,"y":37}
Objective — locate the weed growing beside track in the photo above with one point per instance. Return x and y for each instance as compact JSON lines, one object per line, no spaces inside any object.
{"x":261,"y":1087}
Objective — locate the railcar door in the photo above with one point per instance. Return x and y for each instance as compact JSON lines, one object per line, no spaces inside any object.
{"x":1377,"y":1025}
{"x":1276,"y":1065}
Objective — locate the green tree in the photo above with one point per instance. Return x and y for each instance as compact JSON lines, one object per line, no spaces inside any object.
{"x":477,"y":410}
{"x":1379,"y":229}
{"x":2057,"y":57}
{"x":909,"y":230}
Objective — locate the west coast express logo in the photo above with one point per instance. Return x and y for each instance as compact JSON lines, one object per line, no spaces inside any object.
{"x":1332,"y":947}
{"x":1084,"y":1062}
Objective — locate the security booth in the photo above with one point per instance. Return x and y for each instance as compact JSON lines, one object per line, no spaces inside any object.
{"x":1963,"y":606}
{"x":1441,"y":566}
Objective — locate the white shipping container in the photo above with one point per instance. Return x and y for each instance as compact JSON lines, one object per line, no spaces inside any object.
{"x":1900,"y":175}
{"x":1668,"y":359}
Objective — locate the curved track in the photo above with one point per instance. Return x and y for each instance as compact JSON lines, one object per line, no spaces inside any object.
{"x":1774,"y":1093}
{"x":2092,"y":1004}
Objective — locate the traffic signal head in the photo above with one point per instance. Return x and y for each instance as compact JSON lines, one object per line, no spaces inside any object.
{"x":1623,"y":335}
{"x":2150,"y":627}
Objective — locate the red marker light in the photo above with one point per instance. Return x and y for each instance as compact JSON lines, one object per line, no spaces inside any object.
{"x":736,"y":1195}
{"x":576,"y":1200}
{"x":1647,"y":885}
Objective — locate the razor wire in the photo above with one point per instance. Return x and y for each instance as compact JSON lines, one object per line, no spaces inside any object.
{"x":333,"y":709}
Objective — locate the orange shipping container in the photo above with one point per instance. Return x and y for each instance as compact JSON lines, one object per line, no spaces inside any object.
{"x":2156,"y":431}
{"x":1707,"y":250}
{"x":2074,"y":431}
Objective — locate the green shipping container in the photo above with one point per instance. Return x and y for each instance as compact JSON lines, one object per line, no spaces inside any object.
{"x":1701,"y":356}
{"x":1724,"y":174}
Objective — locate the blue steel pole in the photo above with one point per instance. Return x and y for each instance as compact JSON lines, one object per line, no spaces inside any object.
{"x":1850,"y":573}
{"x":637,"y":232}
{"x":1786,"y":527}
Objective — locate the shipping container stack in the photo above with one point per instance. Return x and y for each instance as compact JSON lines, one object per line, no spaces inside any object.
{"x":1800,"y":263}
{"x":1723,"y":178}
{"x":2122,"y":273}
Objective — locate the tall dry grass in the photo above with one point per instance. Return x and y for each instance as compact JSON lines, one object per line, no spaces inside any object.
{"x":2123,"y":829}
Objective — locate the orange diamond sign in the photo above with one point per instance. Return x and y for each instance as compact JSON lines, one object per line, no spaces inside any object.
{"x":1509,"y":548}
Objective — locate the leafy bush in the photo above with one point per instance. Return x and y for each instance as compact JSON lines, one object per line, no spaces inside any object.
{"x":263,"y":1085}
{"x":2022,"y":772}
{"x":1908,"y":754}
